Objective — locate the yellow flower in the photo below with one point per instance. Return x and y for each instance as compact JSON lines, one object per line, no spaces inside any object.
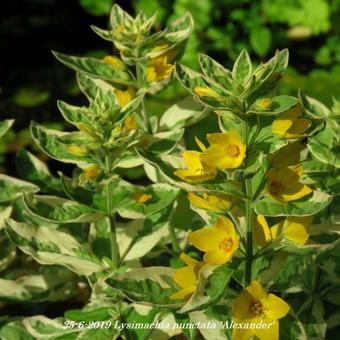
{"x":186,"y":277}
{"x":264,"y":103}
{"x":219,"y":242}
{"x":76,"y":150}
{"x":114,"y":61}
{"x":205,"y":92}
{"x":125,"y":97}
{"x":159,"y":69}
{"x":283,"y":184}
{"x":215,"y":203}
{"x":227,"y":150}
{"x":291,"y":228}
{"x":140,"y":197}
{"x":262,"y":233}
{"x":92,"y":172}
{"x":196,"y":172}
{"x":130,"y":123}
{"x":286,"y":156}
{"x":288,"y":125}
{"x":255,"y":305}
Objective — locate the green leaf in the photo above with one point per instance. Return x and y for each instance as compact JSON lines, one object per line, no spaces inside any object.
{"x":7,"y":251}
{"x":180,"y":29}
{"x":34,"y":170}
{"x":100,"y":238}
{"x":292,"y":328}
{"x":313,"y":107}
{"x":90,"y":313}
{"x":50,"y":246}
{"x":218,"y":317}
{"x":191,"y":79}
{"x":15,"y":330}
{"x":325,"y":148}
{"x":305,"y":206}
{"x":216,"y":72}
{"x":56,"y":284}
{"x":161,"y":195}
{"x":147,"y":315}
{"x":184,"y":113}
{"x":164,"y":142}
{"x":260,"y":40}
{"x":5,"y":212}
{"x":95,"y":68}
{"x":12,"y":188}
{"x":329,"y":262}
{"x":99,"y":8}
{"x":152,"y":285}
{"x":242,"y":68}
{"x":89,"y":85}
{"x":279,"y":105}
{"x":74,"y":114}
{"x":211,"y":286}
{"x":30,"y":97}
{"x":60,"y":210}
{"x":138,"y":237}
{"x":5,"y":125}
{"x":50,"y":141}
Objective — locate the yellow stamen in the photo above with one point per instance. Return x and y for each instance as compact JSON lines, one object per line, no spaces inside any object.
{"x":256,"y":308}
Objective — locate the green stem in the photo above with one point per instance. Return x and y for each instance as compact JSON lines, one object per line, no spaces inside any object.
{"x":249,"y":216}
{"x":140,"y":85}
{"x":174,"y":242}
{"x":249,"y":226}
{"x":111,"y":216}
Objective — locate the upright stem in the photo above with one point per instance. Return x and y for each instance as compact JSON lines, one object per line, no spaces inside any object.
{"x":249,"y":225}
{"x":249,"y":217}
{"x":139,"y":75}
{"x":174,"y":242}
{"x":111,"y":217}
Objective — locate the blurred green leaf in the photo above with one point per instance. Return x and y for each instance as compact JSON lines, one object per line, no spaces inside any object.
{"x":30,"y":97}
{"x":260,"y":40}
{"x":95,"y":7}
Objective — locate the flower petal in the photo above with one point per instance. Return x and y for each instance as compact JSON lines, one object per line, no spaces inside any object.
{"x":241,"y":305}
{"x":297,"y":229}
{"x":270,"y":333}
{"x":257,"y":291}
{"x":296,"y":191}
{"x":225,"y":226}
{"x":282,"y":124}
{"x":230,"y":137}
{"x":286,"y":156}
{"x":189,"y":261}
{"x":192,"y":159}
{"x":241,"y":334}
{"x":217,"y":256}
{"x":182,"y":294}
{"x":299,"y":127}
{"x":261,"y":231}
{"x":274,"y":307}
{"x":205,"y":239}
{"x":185,"y":277}
{"x":200,"y":144}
